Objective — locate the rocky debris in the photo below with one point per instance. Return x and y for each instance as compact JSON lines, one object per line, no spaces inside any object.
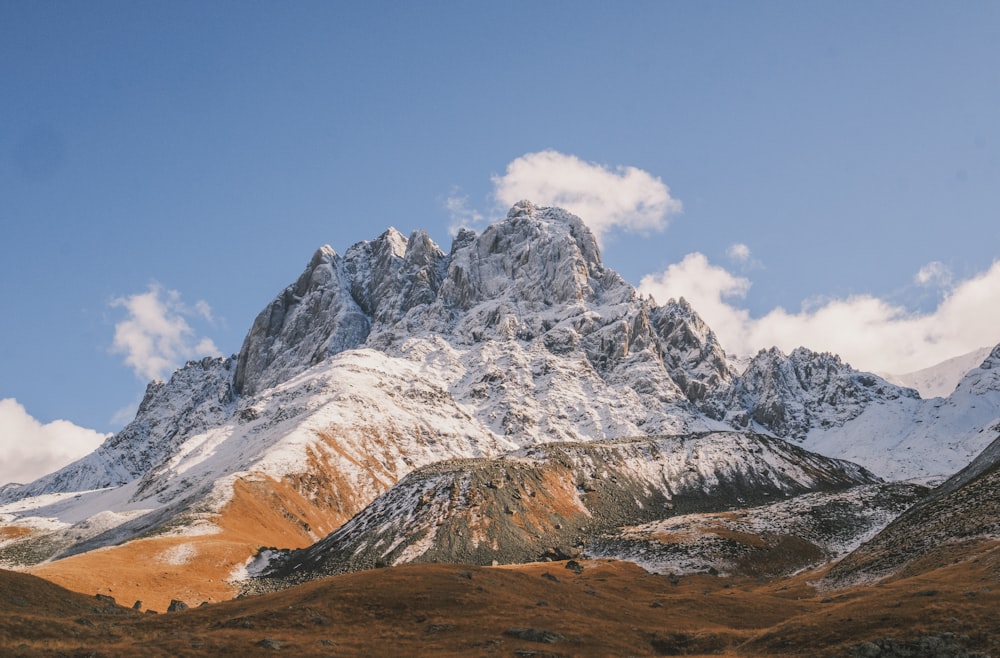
{"x":533,"y":635}
{"x":768,"y":540}
{"x":575,"y":567}
{"x":946,"y":645}
{"x":561,"y":553}
{"x":270,"y":644}
{"x":177,"y":606}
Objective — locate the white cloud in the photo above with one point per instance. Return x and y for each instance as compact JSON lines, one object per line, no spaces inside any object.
{"x":156,"y":337}
{"x":460,"y":214}
{"x":739,"y":252}
{"x":204,"y":310}
{"x":868,"y":332}
{"x":29,"y":449}
{"x":705,"y":286}
{"x":604,"y":198}
{"x":934,"y":273}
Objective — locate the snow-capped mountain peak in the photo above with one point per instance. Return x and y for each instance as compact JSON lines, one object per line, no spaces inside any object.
{"x":397,"y":355}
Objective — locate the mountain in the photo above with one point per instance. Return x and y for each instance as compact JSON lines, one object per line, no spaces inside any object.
{"x":398,"y":355}
{"x":794,"y":394}
{"x":371,"y":364}
{"x":908,"y":437}
{"x":554,"y":498}
{"x":939,"y":380}
{"x":959,"y":520}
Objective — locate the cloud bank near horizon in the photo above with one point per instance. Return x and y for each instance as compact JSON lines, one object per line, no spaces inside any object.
{"x":868,"y":332}
{"x":30,"y":449}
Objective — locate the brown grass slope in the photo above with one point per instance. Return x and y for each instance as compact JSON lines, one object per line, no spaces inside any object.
{"x":543,"y":609}
{"x":195,"y":568}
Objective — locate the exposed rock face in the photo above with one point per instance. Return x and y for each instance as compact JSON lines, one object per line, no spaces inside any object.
{"x":312,"y":319}
{"x":515,"y":508}
{"x":691,"y":352}
{"x":791,"y":395}
{"x":536,"y":276}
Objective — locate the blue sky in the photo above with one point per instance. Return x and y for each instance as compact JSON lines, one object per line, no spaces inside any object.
{"x":830,"y":171}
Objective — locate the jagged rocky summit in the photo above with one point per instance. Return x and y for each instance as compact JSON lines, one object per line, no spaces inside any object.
{"x":522,"y":328}
{"x":535,"y":280}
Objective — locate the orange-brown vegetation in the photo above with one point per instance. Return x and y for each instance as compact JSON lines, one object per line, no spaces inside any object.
{"x":156,"y":570}
{"x":292,"y":512}
{"x":14,"y":532}
{"x":610,"y":608}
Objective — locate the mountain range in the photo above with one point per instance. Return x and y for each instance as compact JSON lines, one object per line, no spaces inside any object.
{"x":509,"y":400}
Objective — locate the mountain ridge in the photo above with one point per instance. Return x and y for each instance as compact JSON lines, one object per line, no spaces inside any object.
{"x":398,"y":355}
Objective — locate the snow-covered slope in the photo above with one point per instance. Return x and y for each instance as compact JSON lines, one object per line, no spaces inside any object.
{"x":940,"y":380}
{"x":818,"y":400}
{"x":779,"y":538}
{"x":913,"y":438}
{"x":197,"y":398}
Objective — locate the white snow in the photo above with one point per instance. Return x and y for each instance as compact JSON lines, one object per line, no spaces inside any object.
{"x":940,"y":380}
{"x":178,"y":555}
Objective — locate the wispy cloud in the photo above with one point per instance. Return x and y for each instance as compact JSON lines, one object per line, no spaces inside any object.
{"x":868,"y":332}
{"x":605,"y":198}
{"x":460,"y":213}
{"x":934,"y":274}
{"x":739,"y":253}
{"x":29,"y":449}
{"x":155,"y":337}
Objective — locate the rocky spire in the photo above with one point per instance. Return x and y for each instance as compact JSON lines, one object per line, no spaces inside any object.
{"x":311,"y":319}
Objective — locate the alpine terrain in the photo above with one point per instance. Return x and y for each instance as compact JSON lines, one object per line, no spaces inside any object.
{"x":511,"y":402}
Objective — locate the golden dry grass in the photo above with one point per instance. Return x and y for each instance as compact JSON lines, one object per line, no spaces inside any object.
{"x":194,"y":569}
{"x":611,"y":608}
